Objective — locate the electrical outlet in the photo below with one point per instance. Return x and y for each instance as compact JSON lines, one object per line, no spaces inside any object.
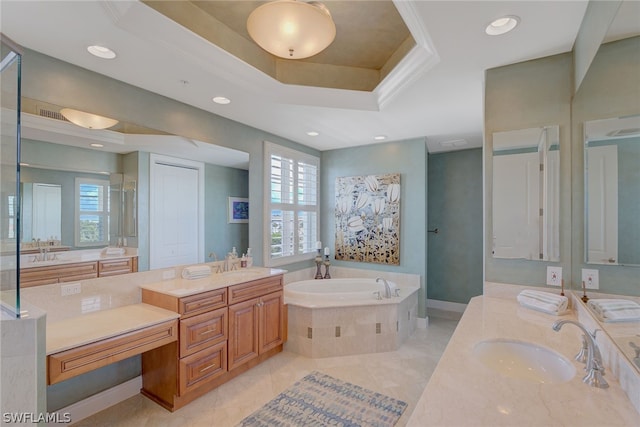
{"x":554,"y":276}
{"x":168,"y":274}
{"x":590,"y":278}
{"x":70,"y":289}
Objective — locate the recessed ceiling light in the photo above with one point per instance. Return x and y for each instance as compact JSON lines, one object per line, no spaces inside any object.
{"x":380,"y":137}
{"x":313,"y":133}
{"x":101,"y":52}
{"x":96,"y":145}
{"x":221,"y":100}
{"x":502,"y":25}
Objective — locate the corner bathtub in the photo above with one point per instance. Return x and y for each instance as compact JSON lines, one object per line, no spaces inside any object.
{"x":339,"y":317}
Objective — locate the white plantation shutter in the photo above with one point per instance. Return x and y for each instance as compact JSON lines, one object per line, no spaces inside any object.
{"x":291,"y":193}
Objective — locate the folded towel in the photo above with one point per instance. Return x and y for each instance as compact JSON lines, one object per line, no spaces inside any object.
{"x":196,"y":272}
{"x":114,"y":251}
{"x":543,"y":301}
{"x":615,"y":310}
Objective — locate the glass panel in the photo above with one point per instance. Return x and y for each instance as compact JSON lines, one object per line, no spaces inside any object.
{"x":9,"y":178}
{"x":307,"y":184}
{"x":282,"y":233}
{"x":93,"y":213}
{"x":307,"y":232}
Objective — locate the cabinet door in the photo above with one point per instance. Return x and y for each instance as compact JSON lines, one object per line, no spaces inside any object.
{"x":243,"y":332}
{"x":271,"y":321}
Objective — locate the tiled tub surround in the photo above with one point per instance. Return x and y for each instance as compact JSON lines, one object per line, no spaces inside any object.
{"x":326,"y":327}
{"x":463,"y":391}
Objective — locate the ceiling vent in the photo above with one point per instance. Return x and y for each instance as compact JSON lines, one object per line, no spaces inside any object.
{"x":624,"y":132}
{"x":43,"y":112}
{"x":454,"y":143}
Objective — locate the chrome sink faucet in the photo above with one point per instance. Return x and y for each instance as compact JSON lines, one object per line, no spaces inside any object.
{"x":594,"y":367}
{"x":387,"y":288}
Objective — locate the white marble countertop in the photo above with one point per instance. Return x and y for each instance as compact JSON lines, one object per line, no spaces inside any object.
{"x":463,"y":391}
{"x":180,"y":287}
{"x":99,"y":325}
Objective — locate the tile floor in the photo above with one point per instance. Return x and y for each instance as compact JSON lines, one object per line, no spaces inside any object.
{"x":402,"y":374}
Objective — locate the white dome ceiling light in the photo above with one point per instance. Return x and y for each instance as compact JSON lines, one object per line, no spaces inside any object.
{"x":87,"y":120}
{"x":292,"y":29}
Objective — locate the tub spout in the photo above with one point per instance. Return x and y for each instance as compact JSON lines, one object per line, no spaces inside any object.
{"x":387,"y":288}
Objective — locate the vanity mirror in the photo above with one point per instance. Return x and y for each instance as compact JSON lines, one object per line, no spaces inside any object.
{"x":612,"y":191}
{"x":526,"y":188}
{"x":58,"y":152}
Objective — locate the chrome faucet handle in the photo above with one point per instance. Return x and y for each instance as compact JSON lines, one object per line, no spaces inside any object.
{"x":397,"y":292}
{"x":595,"y":376}
{"x":582,"y":354}
{"x":378,"y":295}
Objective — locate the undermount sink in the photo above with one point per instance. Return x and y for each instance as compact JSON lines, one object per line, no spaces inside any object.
{"x":523,"y":360}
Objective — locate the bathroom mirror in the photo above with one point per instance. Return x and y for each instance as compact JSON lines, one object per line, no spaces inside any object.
{"x":526,"y":188}
{"x":58,"y":152}
{"x":612,"y":191}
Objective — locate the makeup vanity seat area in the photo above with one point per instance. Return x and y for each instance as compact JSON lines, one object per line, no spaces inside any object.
{"x":223,"y":332}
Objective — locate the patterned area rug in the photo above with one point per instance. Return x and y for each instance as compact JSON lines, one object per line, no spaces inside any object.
{"x":320,"y":400}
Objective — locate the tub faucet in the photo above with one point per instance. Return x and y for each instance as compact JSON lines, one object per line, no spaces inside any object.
{"x":387,"y":288}
{"x":594,"y":368}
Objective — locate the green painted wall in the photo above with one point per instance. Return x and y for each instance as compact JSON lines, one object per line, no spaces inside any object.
{"x":454,"y":262}
{"x":409,"y":158}
{"x":221,"y":183}
{"x":521,"y":96}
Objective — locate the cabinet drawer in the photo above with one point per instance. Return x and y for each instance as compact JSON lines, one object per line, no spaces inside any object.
{"x":255,"y":288}
{"x":54,"y":273}
{"x":79,"y":360}
{"x":114,"y":267}
{"x":202,"y":367}
{"x":203,"y":330}
{"x":205,"y":301}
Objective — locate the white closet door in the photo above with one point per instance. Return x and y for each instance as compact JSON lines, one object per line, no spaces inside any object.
{"x":602,"y":204}
{"x":176,"y":213}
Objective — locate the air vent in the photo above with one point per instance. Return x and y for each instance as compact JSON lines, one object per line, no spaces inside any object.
{"x":454,"y":143}
{"x":51,"y":114}
{"x":624,"y":132}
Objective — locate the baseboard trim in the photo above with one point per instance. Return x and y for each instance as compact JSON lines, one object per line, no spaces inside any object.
{"x":422,"y":322}
{"x":446,"y":305}
{"x":98,"y":402}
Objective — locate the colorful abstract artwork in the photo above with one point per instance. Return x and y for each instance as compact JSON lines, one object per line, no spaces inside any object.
{"x":368,"y":219}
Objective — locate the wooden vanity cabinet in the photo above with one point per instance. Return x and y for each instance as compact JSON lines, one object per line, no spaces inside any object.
{"x":222,"y":333}
{"x":255,"y":327}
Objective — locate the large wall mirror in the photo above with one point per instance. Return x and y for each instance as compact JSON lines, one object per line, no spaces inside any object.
{"x":526,"y":194}
{"x":612,"y":191}
{"x":113,"y":164}
{"x":606,"y":170}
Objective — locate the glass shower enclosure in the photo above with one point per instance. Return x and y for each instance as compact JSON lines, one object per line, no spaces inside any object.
{"x":10,"y":75}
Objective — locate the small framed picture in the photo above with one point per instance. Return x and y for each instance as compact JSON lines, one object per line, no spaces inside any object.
{"x":238,"y":210}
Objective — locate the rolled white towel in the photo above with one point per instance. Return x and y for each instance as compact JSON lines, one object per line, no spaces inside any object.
{"x":196,"y":272}
{"x":543,"y":301}
{"x":615,"y":310}
{"x":114,"y":251}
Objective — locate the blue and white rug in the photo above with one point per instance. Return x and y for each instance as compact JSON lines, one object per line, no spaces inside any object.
{"x":320,"y":400}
